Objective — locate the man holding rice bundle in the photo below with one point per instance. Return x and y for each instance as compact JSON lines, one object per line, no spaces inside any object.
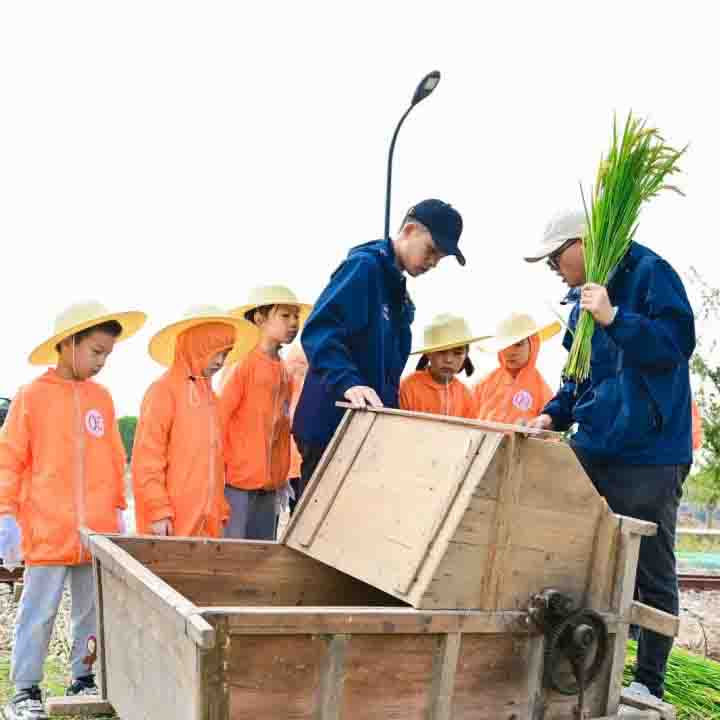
{"x":634,"y":435}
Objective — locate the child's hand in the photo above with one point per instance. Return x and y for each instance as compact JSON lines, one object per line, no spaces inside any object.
{"x":162,"y":527}
{"x":363,"y":396}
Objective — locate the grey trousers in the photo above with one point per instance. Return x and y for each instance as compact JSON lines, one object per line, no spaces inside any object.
{"x":42,"y":593}
{"x":252,"y":514}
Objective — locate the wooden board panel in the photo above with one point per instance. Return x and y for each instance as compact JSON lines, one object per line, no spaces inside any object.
{"x":274,"y":676}
{"x":248,"y":573}
{"x":388,"y":677}
{"x":78,"y":706}
{"x":152,"y":668}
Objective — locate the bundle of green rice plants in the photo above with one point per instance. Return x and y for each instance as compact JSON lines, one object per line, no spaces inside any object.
{"x":692,"y":683}
{"x":636,"y":168}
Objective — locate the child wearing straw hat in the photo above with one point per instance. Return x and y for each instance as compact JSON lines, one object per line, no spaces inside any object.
{"x":178,"y":468}
{"x":516,"y":391}
{"x":434,"y":387}
{"x":62,"y":467}
{"x":255,"y":411}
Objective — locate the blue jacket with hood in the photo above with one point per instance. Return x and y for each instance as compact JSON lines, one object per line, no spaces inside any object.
{"x":634,"y":408}
{"x":358,"y":334}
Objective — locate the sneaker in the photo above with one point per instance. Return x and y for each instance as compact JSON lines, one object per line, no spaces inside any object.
{"x":639,"y":689}
{"x":26,"y":705}
{"x":84,"y":685}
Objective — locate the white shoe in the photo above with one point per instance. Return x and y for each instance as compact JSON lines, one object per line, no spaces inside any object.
{"x":639,"y":689}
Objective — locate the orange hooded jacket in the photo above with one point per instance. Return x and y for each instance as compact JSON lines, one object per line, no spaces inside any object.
{"x":177,"y":464}
{"x":255,"y":411}
{"x":420,"y":393}
{"x":297,"y":365}
{"x":62,"y":465}
{"x":500,"y":397}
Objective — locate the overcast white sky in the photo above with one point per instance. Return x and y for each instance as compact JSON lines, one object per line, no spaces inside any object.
{"x":155,"y":155}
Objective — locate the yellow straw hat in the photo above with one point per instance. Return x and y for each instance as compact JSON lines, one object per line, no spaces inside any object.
{"x":79,"y":317}
{"x":515,"y":328}
{"x":445,"y":332}
{"x":259,"y":297}
{"x":162,"y":344}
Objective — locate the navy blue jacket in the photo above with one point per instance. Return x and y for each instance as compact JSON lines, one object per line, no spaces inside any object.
{"x":635,"y":407}
{"x":358,"y":334}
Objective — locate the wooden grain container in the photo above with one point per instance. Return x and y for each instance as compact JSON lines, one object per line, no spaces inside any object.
{"x":232,"y":630}
{"x":443,"y":514}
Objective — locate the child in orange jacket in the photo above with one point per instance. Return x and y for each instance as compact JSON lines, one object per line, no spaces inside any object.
{"x":434,"y":387}
{"x":255,"y":412}
{"x":62,"y":467}
{"x":516,"y":391}
{"x":178,"y":468}
{"x":297,"y":365}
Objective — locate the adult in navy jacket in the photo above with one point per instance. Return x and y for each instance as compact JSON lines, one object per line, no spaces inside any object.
{"x":357,"y":339}
{"x":633,"y":415}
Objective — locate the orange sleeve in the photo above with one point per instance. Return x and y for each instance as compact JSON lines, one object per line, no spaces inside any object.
{"x":478,"y":398}
{"x":697,"y":428}
{"x":15,"y":454}
{"x":150,"y":454}
{"x":406,"y":402}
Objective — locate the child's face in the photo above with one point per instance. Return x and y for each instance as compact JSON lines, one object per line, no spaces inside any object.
{"x":281,"y":324}
{"x":517,"y":356}
{"x":216,"y":363}
{"x":89,"y":356}
{"x":445,"y":364}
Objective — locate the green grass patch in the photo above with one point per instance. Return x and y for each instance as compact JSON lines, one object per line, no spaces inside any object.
{"x":692,"y":683}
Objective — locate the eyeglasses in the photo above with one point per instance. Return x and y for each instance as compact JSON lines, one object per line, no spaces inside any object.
{"x":554,"y":257}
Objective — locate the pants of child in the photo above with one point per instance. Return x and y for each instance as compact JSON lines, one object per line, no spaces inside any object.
{"x":252,"y":514}
{"x":652,"y":493}
{"x":311,"y":455}
{"x":42,"y":593}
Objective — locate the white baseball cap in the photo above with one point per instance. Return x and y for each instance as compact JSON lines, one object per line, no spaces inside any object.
{"x":564,"y":226}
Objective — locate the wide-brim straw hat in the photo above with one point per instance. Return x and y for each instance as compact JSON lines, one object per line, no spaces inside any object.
{"x":515,"y":328}
{"x":445,"y":332}
{"x":261,"y":297}
{"x":162,"y":344}
{"x":79,"y":317}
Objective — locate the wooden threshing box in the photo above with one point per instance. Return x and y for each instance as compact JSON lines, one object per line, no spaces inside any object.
{"x":443,"y":513}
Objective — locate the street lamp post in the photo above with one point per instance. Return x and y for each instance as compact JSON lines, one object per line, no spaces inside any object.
{"x":426,"y":86}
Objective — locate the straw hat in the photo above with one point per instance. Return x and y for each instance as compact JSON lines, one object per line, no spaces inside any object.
{"x":79,"y":317}
{"x":260,"y":297}
{"x":445,"y":332}
{"x":162,"y":344}
{"x":515,"y":328}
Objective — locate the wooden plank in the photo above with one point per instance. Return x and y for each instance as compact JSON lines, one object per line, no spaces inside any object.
{"x":656,"y":620}
{"x":535,"y":689}
{"x":622,"y":599}
{"x":648,"y":702}
{"x":317,"y":508}
{"x":100,"y":614}
{"x":312,"y":486}
{"x":153,"y":667}
{"x":639,"y":527}
{"x":600,"y":579}
{"x":84,"y":706}
{"x":164,"y":598}
{"x":486,"y":425}
{"x":274,"y":676}
{"x":474,"y":444}
{"x":388,"y":676}
{"x":444,"y":670}
{"x":214,"y":692}
{"x":249,"y":573}
{"x":332,"y":679}
{"x":501,"y":530}
{"x":337,"y":621}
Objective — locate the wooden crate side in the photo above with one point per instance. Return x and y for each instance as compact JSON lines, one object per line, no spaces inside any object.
{"x":153,"y":669}
{"x":249,"y":574}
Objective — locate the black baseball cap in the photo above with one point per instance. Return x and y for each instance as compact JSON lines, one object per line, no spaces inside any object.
{"x":444,"y":223}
